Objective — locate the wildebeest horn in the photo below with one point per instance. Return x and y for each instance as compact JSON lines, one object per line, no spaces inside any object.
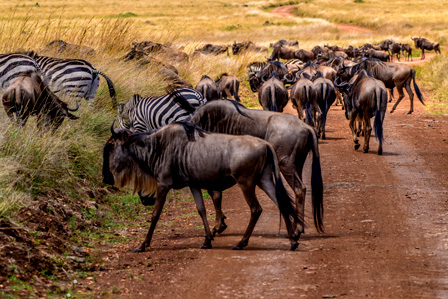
{"x":73,"y":109}
{"x":112,"y":130}
{"x":343,"y":85}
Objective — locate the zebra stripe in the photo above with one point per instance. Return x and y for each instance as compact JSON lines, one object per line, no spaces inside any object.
{"x":12,"y":65}
{"x":147,"y":114}
{"x":256,"y":67}
{"x":73,"y":77}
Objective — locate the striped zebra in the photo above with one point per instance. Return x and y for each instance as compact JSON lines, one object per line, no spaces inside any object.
{"x":12,"y":65}
{"x":73,"y":77}
{"x":256,"y":67}
{"x":141,"y":114}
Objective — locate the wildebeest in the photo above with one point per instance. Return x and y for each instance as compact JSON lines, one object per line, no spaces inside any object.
{"x":60,"y":46}
{"x":408,"y":49}
{"x":325,"y":95}
{"x":304,"y":55}
{"x":371,"y":53}
{"x":208,"y":88}
{"x":257,"y":78}
{"x":424,"y":44}
{"x":391,"y":74}
{"x":159,"y":50}
{"x":213,"y":49}
{"x":238,"y":48}
{"x":28,"y":95}
{"x":292,"y":140}
{"x":228,"y":86}
{"x":303,"y":99}
{"x":394,"y":48}
{"x":183,"y":155}
{"x":365,"y":97}
{"x":272,"y":95}
{"x":282,"y":42}
{"x":281,"y":52}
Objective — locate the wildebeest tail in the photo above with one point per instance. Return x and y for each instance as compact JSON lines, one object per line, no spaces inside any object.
{"x":309,"y":117}
{"x":325,"y":91}
{"x":110,"y":85}
{"x":378,"y":122}
{"x":236,"y":87}
{"x":285,"y":201}
{"x":179,"y":98}
{"x":317,"y":185}
{"x":272,"y":101}
{"x":417,"y":90}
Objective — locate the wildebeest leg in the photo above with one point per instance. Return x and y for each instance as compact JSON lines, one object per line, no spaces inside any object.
{"x":197,"y":194}
{"x":367,"y":132}
{"x":423,"y":54}
{"x":267,"y":185}
{"x":235,"y":91}
{"x":411,"y":96}
{"x":220,"y":225}
{"x":317,"y":115}
{"x":352,"y":127}
{"x":391,"y":94}
{"x":255,"y":212}
{"x":400,"y":97}
{"x":293,"y":176}
{"x":228,"y":93}
{"x":160,"y":202}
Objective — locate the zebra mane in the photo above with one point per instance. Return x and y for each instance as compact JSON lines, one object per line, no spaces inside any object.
{"x":180,"y":99}
{"x":191,"y":129}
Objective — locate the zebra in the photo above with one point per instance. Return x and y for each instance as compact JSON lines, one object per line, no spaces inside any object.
{"x":256,"y":67}
{"x":72,"y":77}
{"x":144,"y":114}
{"x":12,"y":65}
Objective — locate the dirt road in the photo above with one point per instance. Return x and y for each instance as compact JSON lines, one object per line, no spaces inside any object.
{"x":386,"y":230}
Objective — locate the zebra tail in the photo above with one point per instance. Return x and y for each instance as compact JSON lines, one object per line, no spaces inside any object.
{"x":110,"y":85}
{"x":179,"y":98}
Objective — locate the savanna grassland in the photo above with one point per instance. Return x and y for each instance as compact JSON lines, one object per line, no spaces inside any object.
{"x":51,"y":196}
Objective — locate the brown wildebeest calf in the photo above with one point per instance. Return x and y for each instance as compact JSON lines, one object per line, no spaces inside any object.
{"x":228,"y":86}
{"x":28,"y":95}
{"x":208,"y":88}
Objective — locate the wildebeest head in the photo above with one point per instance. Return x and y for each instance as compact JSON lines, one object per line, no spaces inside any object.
{"x":119,"y":167}
{"x":255,"y":81}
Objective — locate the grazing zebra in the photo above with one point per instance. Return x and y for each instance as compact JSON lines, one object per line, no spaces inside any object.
{"x":13,"y":65}
{"x":141,"y":114}
{"x":72,"y":77}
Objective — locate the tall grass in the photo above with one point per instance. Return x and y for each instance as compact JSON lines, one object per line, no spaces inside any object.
{"x":435,"y":78}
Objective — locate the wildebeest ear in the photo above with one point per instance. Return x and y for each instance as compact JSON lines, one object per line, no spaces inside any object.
{"x":71,"y":116}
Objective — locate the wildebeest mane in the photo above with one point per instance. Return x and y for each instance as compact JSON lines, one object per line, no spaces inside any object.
{"x":191,"y":129}
{"x":237,"y":105}
{"x":180,"y":99}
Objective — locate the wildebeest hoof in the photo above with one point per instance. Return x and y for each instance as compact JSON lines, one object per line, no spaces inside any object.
{"x":365,"y":150}
{"x":323,"y":137}
{"x":357,"y":146}
{"x":410,"y":112}
{"x":392,"y":111}
{"x":294,"y":246}
{"x":139,"y":249}
{"x":380,"y":152}
{"x":206,"y":246}
{"x":237,"y":248}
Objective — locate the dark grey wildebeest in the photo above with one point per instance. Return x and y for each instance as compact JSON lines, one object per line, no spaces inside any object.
{"x":325,"y":95}
{"x":391,"y":74}
{"x":291,"y":138}
{"x":365,"y":97}
{"x":183,"y":155}
{"x":371,"y":53}
{"x":208,"y":88}
{"x":408,"y":49}
{"x":394,"y":49}
{"x":228,"y":86}
{"x":281,"y":52}
{"x":304,"y":55}
{"x":28,"y":95}
{"x":424,"y":44}
{"x":272,"y":95}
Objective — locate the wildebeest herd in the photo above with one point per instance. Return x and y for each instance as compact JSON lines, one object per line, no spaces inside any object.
{"x":197,"y":138}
